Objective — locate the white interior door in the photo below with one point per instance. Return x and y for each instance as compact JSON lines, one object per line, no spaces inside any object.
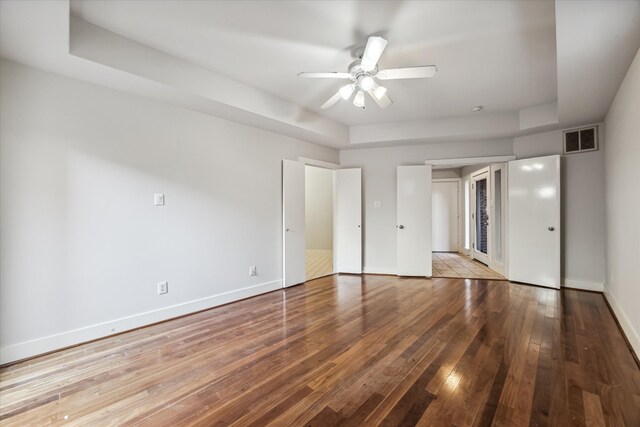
{"x":481,"y":243}
{"x":293,"y":238}
{"x":348,"y":221}
{"x":498,"y":215}
{"x":445,"y":219}
{"x":534,"y":221}
{"x":414,"y":220}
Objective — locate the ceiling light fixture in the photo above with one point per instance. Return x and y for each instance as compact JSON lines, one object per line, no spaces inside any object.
{"x":477,"y":109}
{"x":366,"y":83}
{"x":358,"y":101}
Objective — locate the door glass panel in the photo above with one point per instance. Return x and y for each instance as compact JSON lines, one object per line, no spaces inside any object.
{"x":497,"y":216}
{"x":482,"y":220}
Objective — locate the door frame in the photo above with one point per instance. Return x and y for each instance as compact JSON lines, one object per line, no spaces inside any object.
{"x":453,"y":163}
{"x":475,"y":254}
{"x":459,"y":221}
{"x":306,"y":161}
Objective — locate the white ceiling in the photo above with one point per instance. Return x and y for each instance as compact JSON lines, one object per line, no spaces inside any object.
{"x":531,"y":64}
{"x":499,"y":54}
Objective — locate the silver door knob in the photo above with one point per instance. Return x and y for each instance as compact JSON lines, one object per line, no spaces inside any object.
{"x":401,"y":227}
{"x":551,"y":228}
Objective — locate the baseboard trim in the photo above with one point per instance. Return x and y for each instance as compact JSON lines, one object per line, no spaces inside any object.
{"x":378,"y":270}
{"x":38,"y":346}
{"x":585,"y":286}
{"x":347,"y":270}
{"x":632,"y":336}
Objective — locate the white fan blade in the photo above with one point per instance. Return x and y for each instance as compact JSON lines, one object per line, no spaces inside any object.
{"x":347,"y":91}
{"x":330,"y":75}
{"x":335,"y":98}
{"x":383,"y":100}
{"x":373,"y":50}
{"x":408,"y":73}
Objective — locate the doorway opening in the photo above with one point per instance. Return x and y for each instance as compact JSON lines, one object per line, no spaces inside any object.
{"x":319,"y":203}
{"x":322,"y":213}
{"x":463,"y":236}
{"x":510,"y":216}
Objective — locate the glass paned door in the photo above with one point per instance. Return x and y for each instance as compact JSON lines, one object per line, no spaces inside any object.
{"x":482,"y":218}
{"x":481,"y":232}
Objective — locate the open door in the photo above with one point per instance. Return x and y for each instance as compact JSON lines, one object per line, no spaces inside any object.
{"x":293,"y":221}
{"x":534,"y":221}
{"x":480,"y":189}
{"x":348,"y":221}
{"x":414,"y":220}
{"x":498,"y":215}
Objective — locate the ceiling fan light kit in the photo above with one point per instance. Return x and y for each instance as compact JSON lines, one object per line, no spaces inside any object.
{"x":358,"y":101}
{"x":363,"y":73}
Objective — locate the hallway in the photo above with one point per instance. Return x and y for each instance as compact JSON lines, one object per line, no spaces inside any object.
{"x":318,"y":263}
{"x":449,"y":264}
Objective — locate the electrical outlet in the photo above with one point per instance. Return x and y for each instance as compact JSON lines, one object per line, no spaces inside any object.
{"x":163,"y":288}
{"x":252,"y":270}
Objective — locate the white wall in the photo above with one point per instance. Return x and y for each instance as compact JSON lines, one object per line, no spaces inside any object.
{"x":318,"y":208}
{"x":379,"y":184}
{"x":582,"y":209}
{"x":622,"y":185}
{"x":583,"y":198}
{"x":82,"y":245}
{"x":446,"y":173}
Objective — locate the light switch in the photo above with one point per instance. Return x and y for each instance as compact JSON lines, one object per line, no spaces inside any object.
{"x":158,"y":199}
{"x":377,"y":204}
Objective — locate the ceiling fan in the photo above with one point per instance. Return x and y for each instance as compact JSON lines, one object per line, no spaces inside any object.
{"x":363,"y":73}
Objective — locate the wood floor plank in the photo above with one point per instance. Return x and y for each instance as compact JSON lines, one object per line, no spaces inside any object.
{"x":349,"y":350}
{"x":593,"y":410}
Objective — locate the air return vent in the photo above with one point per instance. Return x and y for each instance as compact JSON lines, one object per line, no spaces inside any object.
{"x":579,"y":140}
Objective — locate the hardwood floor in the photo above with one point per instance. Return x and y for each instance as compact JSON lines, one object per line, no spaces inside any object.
{"x":348,"y":350}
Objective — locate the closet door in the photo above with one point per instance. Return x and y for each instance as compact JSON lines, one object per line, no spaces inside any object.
{"x":293,"y":223}
{"x":534,"y":221}
{"x":348,"y":221}
{"x":414,"y":220}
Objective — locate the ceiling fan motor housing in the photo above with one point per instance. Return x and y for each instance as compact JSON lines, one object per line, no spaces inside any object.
{"x":356,"y":70}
